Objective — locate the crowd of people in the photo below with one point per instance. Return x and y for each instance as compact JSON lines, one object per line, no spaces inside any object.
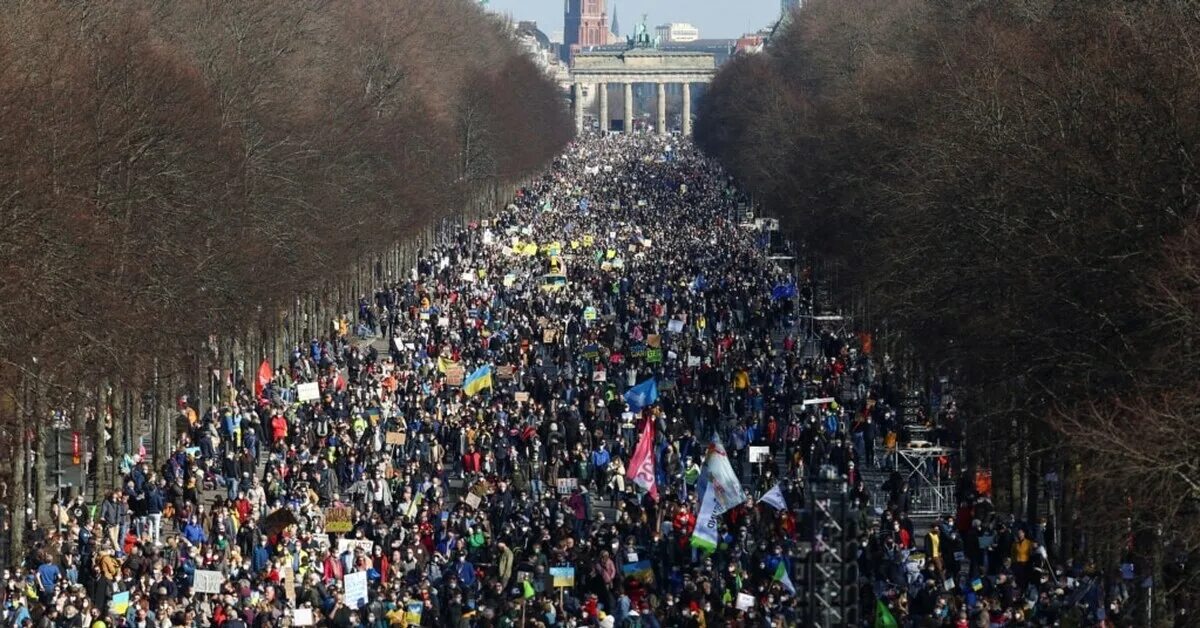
{"x":536,"y":427}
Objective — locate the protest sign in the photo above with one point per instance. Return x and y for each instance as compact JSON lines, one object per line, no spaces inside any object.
{"x":355,"y":587}
{"x":455,"y":375}
{"x":562,"y":577}
{"x":349,"y":545}
{"x":472,"y":500}
{"x":654,"y":356}
{"x":600,"y":376}
{"x":745,"y":601}
{"x":675,"y":326}
{"x":566,"y":485}
{"x":207,"y":581}
{"x":396,"y":438}
{"x":521,"y":396}
{"x":654,"y":341}
{"x":506,"y":372}
{"x":308,"y":392}
{"x":302,"y":617}
{"x":339,"y":519}
{"x":119,"y":603}
{"x":413,"y":612}
{"x":760,"y":454}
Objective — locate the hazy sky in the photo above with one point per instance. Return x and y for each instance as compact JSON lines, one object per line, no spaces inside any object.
{"x":714,"y":18}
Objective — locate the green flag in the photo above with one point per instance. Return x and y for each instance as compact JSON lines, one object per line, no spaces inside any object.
{"x":883,"y":617}
{"x":526,"y":589}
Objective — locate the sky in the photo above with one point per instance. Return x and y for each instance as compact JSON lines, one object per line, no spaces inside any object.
{"x":714,"y":18}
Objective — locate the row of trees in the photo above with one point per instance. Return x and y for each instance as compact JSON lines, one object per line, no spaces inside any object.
{"x":183,"y":180}
{"x":1012,"y":188}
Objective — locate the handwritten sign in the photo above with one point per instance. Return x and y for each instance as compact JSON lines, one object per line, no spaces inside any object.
{"x":308,"y":392}
{"x":396,"y":438}
{"x":521,"y":396}
{"x":455,"y":375}
{"x":506,"y":372}
{"x":339,"y":519}
{"x":566,"y":485}
{"x":207,"y":581}
{"x":355,"y":586}
{"x":472,"y":500}
{"x":745,"y":601}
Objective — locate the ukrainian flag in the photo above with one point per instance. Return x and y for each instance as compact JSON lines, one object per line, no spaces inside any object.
{"x":477,"y":381}
{"x":444,"y":364}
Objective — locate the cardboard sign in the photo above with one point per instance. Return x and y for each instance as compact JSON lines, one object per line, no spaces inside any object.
{"x":395,"y":438}
{"x":289,"y":583}
{"x":355,"y":587}
{"x":566,"y":485}
{"x":521,"y":397}
{"x":308,"y":392}
{"x":455,"y":375}
{"x":207,"y":581}
{"x":506,"y":372}
{"x":562,"y":577}
{"x":654,"y":341}
{"x":339,"y":519}
{"x":472,"y":500}
{"x":548,"y":336}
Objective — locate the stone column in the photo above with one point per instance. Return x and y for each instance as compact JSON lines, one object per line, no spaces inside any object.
{"x":662,"y":109}
{"x":578,"y":87}
{"x":629,"y":107}
{"x":687,"y":109}
{"x":602,"y":89}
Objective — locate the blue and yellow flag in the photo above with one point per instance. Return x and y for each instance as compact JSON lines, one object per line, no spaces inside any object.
{"x":477,"y":381}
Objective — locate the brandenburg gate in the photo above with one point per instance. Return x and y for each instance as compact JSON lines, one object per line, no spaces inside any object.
{"x":641,"y":62}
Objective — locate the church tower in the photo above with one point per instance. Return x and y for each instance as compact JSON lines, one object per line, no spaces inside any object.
{"x":585,"y":24}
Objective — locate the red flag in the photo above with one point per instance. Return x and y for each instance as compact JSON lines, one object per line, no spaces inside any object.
{"x":641,"y":465}
{"x":339,"y":382}
{"x":265,"y":375}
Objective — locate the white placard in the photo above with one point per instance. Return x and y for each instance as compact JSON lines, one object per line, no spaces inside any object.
{"x":348,"y":545}
{"x":302,"y":617}
{"x":693,"y":360}
{"x":757,"y":452}
{"x":819,"y":401}
{"x":308,"y":392}
{"x":443,"y":321}
{"x":745,"y":601}
{"x":207,"y":581}
{"x":675,"y":326}
{"x":355,"y":587}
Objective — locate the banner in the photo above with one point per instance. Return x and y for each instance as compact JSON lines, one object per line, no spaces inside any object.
{"x":641,"y":465}
{"x":704,"y":536}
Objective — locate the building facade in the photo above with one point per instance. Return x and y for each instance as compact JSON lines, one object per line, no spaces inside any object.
{"x":585,"y":25}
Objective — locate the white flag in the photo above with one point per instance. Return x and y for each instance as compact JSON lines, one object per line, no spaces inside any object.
{"x":774,"y":498}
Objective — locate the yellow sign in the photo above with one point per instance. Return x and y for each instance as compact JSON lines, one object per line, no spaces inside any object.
{"x":589,"y":240}
{"x":339,"y":519}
